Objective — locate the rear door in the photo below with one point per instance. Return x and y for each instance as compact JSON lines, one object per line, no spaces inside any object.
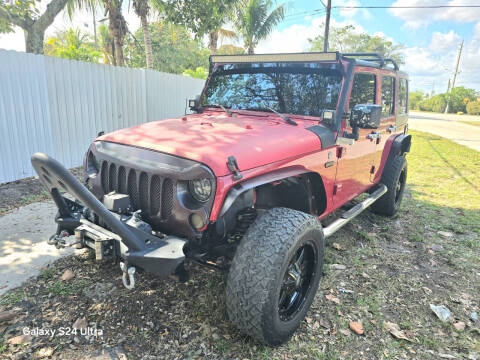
{"x":388,"y":91}
{"x":355,"y":161}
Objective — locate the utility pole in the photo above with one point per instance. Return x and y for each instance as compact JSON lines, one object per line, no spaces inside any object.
{"x":327,"y":25}
{"x":454,"y":75}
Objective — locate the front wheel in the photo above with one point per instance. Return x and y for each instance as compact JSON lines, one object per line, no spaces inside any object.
{"x":275,"y":274}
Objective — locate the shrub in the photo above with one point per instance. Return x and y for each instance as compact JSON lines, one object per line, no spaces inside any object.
{"x":473,"y":107}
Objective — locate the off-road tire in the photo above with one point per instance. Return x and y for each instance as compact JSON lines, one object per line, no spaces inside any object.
{"x":395,"y":171}
{"x":258,"y":270}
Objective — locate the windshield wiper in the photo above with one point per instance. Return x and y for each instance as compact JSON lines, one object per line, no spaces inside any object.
{"x":229,"y":113}
{"x":284,"y":117}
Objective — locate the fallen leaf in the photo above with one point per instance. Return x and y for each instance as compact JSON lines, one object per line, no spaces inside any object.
{"x":20,"y":339}
{"x":460,"y":326}
{"x":365,"y":275}
{"x":337,"y":246}
{"x":427,"y":290}
{"x":7,"y":315}
{"x":395,"y":330}
{"x":333,"y":298}
{"x":337,"y":267}
{"x":45,"y":352}
{"x":67,"y":275}
{"x":324,"y":323}
{"x":356,"y":327}
{"x":308,"y":320}
{"x":345,"y":332}
{"x":80,"y":324}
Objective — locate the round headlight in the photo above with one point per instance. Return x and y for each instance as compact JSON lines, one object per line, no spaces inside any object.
{"x":201,"y":189}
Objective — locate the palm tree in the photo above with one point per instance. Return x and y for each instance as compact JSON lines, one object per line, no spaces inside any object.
{"x":254,"y":21}
{"x":142,"y":8}
{"x":215,"y":35}
{"x":117,"y":25}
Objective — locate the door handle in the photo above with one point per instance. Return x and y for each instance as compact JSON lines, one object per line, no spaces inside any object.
{"x":392,"y":128}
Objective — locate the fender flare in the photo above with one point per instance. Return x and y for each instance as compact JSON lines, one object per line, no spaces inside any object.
{"x":401,"y":145}
{"x":240,"y":188}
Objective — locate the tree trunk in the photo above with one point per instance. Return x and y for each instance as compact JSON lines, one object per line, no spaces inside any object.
{"x":118,"y":29}
{"x":147,"y":38}
{"x":213,"y":41}
{"x":250,"y":50}
{"x":119,"y":60}
{"x":34,"y":40}
{"x":35,"y":28}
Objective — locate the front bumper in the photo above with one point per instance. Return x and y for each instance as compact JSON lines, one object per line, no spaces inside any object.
{"x":160,"y":255}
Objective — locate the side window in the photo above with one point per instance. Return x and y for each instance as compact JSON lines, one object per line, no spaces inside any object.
{"x":363,"y":89}
{"x":402,"y":100}
{"x":388,"y":96}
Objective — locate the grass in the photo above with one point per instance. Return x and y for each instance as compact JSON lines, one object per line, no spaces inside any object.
{"x":473,"y":123}
{"x":47,"y":273}
{"x":34,"y":198}
{"x":65,"y":288}
{"x":443,"y":173}
{"x":13,"y":297}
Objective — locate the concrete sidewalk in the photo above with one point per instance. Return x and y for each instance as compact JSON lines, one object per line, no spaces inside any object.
{"x":23,"y":243}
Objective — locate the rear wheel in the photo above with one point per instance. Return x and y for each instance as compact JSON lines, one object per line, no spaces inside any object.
{"x":275,"y":274}
{"x":394,"y":177}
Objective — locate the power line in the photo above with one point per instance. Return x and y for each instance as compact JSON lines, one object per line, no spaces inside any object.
{"x":407,"y":7}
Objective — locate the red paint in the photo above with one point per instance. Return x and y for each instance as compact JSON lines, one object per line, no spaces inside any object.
{"x":213,"y":136}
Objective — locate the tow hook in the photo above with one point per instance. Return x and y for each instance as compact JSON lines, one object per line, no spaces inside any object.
{"x":62,"y":240}
{"x":128,"y":272}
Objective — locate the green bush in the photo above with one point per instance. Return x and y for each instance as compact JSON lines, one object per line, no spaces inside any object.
{"x":436,"y":103}
{"x":473,"y":107}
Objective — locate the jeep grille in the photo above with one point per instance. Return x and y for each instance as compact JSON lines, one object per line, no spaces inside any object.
{"x":148,"y":192}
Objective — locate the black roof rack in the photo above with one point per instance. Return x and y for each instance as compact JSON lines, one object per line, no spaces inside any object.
{"x":372,"y":57}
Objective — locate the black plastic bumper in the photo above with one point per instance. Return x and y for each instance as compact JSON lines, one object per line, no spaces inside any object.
{"x":160,"y":256}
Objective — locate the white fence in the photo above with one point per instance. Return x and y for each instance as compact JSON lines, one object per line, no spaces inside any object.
{"x":58,"y":106}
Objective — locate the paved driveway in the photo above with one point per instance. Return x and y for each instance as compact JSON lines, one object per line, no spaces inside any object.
{"x":448,"y":127}
{"x":23,"y":243}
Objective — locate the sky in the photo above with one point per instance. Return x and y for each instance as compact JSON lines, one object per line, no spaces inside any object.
{"x":431,"y":37}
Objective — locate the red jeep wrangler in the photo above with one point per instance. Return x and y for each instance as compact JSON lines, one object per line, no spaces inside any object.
{"x":277,"y":143}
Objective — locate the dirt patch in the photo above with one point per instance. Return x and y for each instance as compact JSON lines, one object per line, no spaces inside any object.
{"x":26,"y":191}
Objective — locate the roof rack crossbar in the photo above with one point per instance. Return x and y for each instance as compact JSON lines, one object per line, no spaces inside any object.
{"x":372,"y":57}
{"x":395,"y":65}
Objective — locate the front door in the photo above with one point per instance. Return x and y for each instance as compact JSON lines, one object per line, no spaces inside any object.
{"x":355,"y":161}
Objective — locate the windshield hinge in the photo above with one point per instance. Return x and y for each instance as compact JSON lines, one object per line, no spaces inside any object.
{"x":233,"y":167}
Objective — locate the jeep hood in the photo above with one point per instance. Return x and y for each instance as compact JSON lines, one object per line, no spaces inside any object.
{"x":210,"y":138}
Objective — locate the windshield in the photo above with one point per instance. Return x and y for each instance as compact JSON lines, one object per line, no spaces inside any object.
{"x":301,"y":89}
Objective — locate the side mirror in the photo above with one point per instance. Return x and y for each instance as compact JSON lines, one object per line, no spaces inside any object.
{"x":366,"y":116}
{"x":194,"y":104}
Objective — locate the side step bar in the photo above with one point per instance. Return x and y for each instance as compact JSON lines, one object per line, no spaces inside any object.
{"x":354,"y":211}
